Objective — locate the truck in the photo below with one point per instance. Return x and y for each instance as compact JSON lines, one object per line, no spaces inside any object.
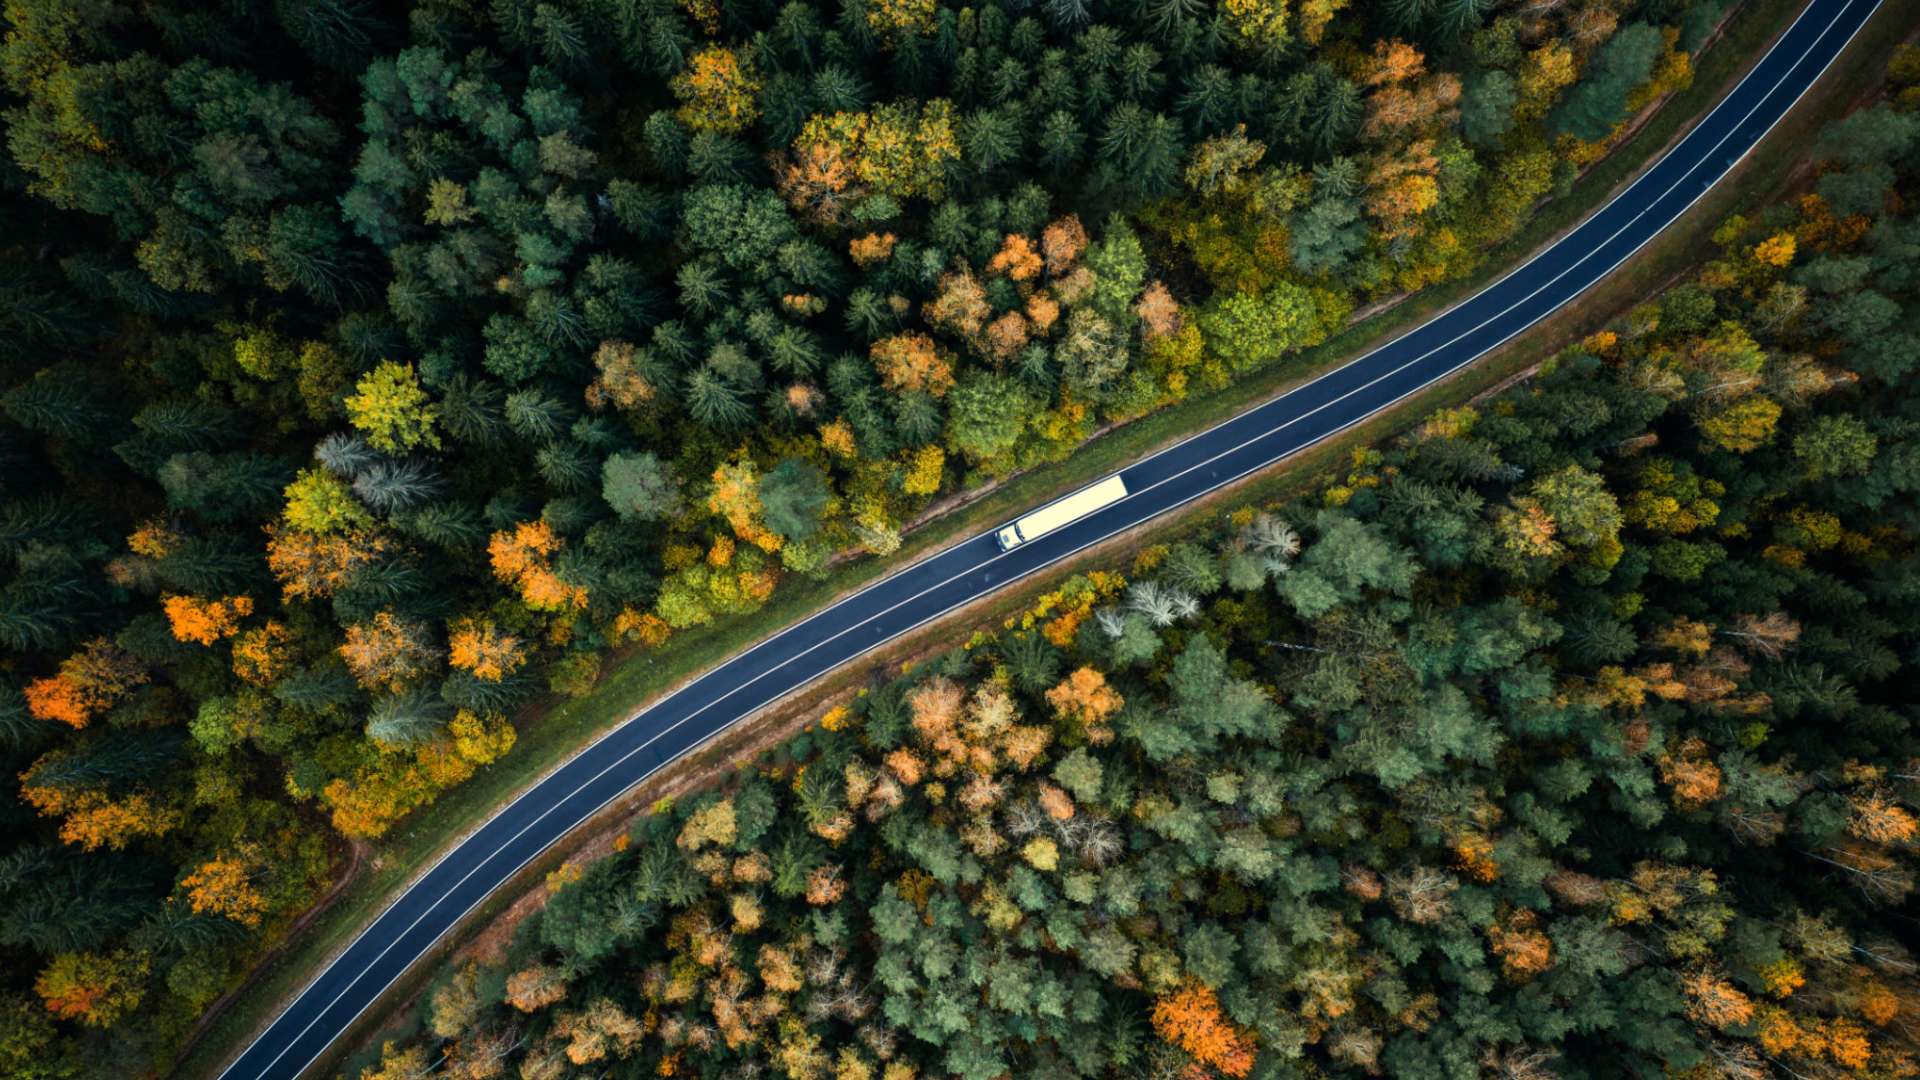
{"x":1063,"y":511}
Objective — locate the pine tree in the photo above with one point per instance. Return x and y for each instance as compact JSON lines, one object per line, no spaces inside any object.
{"x":563,"y":41}
{"x":536,"y":416}
{"x":1061,"y":141}
{"x":1144,"y":149}
{"x":340,"y":34}
{"x":566,"y":466}
{"x":453,"y":526}
{"x":344,"y":454}
{"x":60,"y":402}
{"x":471,"y":411}
{"x":392,"y":486}
{"x":640,"y":487}
{"x":792,"y":495}
{"x":407,"y":718}
{"x":715,"y":401}
{"x":1335,"y":112}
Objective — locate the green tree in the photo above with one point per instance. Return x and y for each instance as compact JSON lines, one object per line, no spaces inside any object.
{"x":1248,"y":330}
{"x":30,"y":1046}
{"x":986,"y":415}
{"x":1486,"y":108}
{"x":1834,"y":446}
{"x":1599,"y":100}
{"x":1584,"y":512}
{"x":640,"y":487}
{"x":792,"y":496}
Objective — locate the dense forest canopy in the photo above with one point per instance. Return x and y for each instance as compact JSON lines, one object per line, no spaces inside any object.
{"x":368,"y":371}
{"x":1571,"y":734}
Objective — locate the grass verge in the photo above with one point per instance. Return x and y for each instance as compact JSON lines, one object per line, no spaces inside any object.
{"x":562,"y":729}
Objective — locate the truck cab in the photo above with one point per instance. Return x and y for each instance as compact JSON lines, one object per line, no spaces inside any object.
{"x":1008,"y":537}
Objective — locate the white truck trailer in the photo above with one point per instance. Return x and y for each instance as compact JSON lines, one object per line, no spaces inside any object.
{"x":1061,"y":512}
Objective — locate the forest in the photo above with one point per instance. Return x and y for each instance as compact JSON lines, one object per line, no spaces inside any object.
{"x":372,"y":374}
{"x":1568,"y":734}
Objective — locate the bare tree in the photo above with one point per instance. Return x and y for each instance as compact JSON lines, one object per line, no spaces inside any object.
{"x":1163,"y":605}
{"x":1272,"y":537}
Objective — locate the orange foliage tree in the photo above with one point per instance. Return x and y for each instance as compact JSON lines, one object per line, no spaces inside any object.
{"x":523,"y":557}
{"x":261,"y":655}
{"x":1084,"y":698}
{"x":959,"y":304}
{"x":1016,"y":259}
{"x":1714,"y":1001}
{"x":911,"y":362}
{"x":871,"y":248}
{"x":479,"y":646}
{"x":817,"y":181}
{"x":387,"y":651}
{"x":736,"y":497}
{"x":204,"y":622}
{"x":1524,"y":951}
{"x":310,"y":566}
{"x":1062,"y":242}
{"x":89,"y":682}
{"x":1694,"y":777}
{"x":620,"y":382}
{"x":1190,"y":1019}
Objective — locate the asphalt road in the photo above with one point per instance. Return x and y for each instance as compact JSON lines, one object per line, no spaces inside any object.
{"x":925,"y":590}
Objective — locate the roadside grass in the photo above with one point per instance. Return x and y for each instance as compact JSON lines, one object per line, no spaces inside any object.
{"x":553,"y":732}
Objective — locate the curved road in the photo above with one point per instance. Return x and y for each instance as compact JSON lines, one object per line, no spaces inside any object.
{"x":673,"y":725}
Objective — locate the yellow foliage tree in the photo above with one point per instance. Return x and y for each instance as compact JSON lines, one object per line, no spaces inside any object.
{"x":396,"y":414}
{"x":320,"y":502}
{"x":1743,"y":426}
{"x":1546,"y":71}
{"x":1314,"y":17}
{"x":92,"y":819}
{"x":224,"y":886}
{"x":896,"y":20}
{"x":925,"y":467}
{"x":1775,"y":251}
{"x":894,"y":148}
{"x":717,"y":91}
{"x":1257,"y":25}
{"x":479,"y":739}
{"x":95,"y":989}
